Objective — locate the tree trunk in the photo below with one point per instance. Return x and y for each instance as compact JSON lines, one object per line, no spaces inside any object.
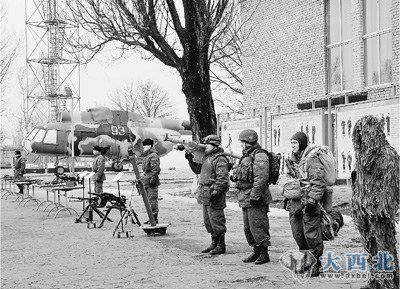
{"x":197,"y":88}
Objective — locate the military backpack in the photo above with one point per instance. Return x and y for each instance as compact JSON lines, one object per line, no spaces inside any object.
{"x":245,"y":172}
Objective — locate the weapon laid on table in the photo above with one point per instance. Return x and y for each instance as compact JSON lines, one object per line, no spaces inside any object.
{"x":198,"y":150}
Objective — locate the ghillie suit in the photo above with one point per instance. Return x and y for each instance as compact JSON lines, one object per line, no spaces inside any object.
{"x":376,"y":194}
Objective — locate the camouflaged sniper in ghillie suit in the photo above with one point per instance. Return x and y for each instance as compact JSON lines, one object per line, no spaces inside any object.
{"x":375,"y":199}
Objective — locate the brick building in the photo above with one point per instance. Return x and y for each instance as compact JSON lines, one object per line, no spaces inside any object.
{"x":303,"y":52}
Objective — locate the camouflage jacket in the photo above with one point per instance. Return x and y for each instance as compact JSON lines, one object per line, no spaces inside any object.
{"x":214,"y":179}
{"x":256,"y":187}
{"x":312,"y":173}
{"x":19,"y":167}
{"x":98,"y":167}
{"x":151,"y":169}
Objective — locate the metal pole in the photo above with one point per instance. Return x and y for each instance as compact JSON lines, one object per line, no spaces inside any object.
{"x":330,"y":139}
{"x":261,"y":129}
{"x":73,"y":140}
{"x":218,"y":124}
{"x":265,"y":128}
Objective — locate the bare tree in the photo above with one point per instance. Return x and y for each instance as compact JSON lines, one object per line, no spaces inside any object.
{"x":226,"y":64}
{"x":125,"y":98}
{"x":25,"y":118}
{"x":147,"y":98}
{"x":226,"y":68}
{"x":8,"y":53}
{"x":180,"y":35}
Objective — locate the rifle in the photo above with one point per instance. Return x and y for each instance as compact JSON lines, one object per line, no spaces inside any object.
{"x":79,"y":199}
{"x":198,"y":150}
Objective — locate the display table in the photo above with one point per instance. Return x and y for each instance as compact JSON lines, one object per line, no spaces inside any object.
{"x":58,"y":192}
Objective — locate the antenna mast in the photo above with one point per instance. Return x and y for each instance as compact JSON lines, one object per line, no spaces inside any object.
{"x":52,"y":63}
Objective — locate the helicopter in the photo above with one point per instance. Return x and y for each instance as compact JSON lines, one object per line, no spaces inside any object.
{"x":122,"y":132}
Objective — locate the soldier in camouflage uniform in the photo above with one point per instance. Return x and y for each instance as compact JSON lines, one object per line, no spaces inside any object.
{"x":213,"y":185}
{"x":19,"y":169}
{"x":251,"y":177}
{"x":305,"y":213}
{"x":99,"y":164}
{"x":151,"y":171}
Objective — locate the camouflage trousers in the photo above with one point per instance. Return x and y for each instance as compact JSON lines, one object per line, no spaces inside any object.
{"x":152,"y":194}
{"x":327,"y":200}
{"x":256,"y":225}
{"x":306,"y":230}
{"x":20,"y":187}
{"x":214,"y":220}
{"x":98,"y":187}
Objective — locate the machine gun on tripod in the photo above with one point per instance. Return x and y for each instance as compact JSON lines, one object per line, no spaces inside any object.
{"x":117,"y":202}
{"x":94,"y":204}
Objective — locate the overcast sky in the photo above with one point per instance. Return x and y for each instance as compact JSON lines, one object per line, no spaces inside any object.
{"x":98,"y":79}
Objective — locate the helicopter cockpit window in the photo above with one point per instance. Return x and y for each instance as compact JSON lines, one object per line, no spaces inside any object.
{"x":32,"y":134}
{"x":51,"y":137}
{"x":39,"y":136}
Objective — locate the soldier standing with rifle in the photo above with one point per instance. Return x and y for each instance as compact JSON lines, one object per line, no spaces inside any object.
{"x":99,"y":164}
{"x":213,"y":185}
{"x":151,"y":172}
{"x":251,"y":177}
{"x":19,"y":169}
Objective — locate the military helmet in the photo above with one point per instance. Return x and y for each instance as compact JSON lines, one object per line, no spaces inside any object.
{"x":248,"y":135}
{"x":212,"y":139}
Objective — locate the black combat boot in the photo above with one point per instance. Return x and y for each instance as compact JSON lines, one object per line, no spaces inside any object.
{"x":214,"y":243}
{"x":316,"y":269}
{"x":221,"y":247}
{"x":264,"y":256}
{"x":254,"y":256}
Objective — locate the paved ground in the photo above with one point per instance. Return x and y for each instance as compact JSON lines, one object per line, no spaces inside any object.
{"x":38,"y":251}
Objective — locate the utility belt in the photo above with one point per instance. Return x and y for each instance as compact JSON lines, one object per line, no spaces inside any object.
{"x":207,"y":184}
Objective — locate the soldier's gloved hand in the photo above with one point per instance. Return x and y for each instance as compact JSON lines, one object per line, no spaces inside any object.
{"x":255,"y":202}
{"x":213,"y":198}
{"x":189,"y":156}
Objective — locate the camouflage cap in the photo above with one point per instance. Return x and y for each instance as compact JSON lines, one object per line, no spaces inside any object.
{"x":212,"y":139}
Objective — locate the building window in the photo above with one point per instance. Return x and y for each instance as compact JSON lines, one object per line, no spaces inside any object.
{"x":378,"y":42}
{"x":339,"y":45}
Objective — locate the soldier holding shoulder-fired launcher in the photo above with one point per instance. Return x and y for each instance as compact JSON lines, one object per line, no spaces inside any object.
{"x":213,"y":185}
